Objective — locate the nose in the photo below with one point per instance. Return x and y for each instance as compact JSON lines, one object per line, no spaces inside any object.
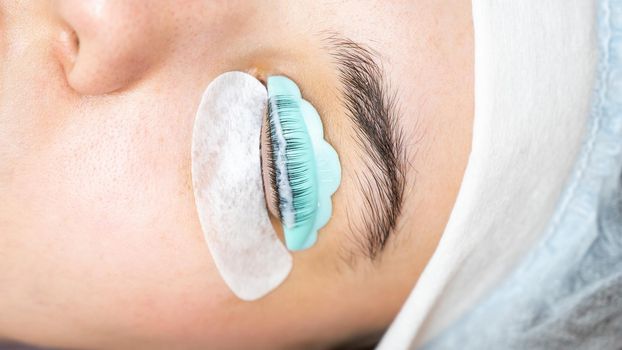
{"x":109,"y":45}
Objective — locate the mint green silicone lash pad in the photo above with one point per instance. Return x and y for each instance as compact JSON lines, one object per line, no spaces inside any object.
{"x":307,"y":168}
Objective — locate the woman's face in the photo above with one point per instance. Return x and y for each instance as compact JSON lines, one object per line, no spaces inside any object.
{"x":100,"y":242}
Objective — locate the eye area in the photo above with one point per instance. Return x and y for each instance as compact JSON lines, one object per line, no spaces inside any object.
{"x":293,"y":156}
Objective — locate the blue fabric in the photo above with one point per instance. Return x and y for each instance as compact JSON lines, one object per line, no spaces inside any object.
{"x":567,"y":292}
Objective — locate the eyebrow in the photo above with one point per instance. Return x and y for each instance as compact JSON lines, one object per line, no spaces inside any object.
{"x":373,"y":109}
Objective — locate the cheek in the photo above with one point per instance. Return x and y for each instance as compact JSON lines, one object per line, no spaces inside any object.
{"x":103,"y":221}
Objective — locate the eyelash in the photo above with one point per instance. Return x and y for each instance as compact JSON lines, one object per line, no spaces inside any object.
{"x":290,"y":171}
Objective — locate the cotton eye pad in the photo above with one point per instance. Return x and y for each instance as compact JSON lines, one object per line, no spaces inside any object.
{"x":227,"y":181}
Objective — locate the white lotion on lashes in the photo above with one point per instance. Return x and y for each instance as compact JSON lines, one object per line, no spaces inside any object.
{"x":280,"y":162}
{"x":228,"y":191}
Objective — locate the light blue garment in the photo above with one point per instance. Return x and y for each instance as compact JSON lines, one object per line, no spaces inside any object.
{"x":567,"y":292}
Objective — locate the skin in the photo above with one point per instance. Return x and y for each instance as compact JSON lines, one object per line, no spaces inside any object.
{"x":100,"y":244}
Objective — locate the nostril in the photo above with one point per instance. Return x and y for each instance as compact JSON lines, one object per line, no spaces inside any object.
{"x":75,"y":40}
{"x":67,"y":48}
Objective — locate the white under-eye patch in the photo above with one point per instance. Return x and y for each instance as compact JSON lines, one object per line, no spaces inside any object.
{"x":228,"y":191}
